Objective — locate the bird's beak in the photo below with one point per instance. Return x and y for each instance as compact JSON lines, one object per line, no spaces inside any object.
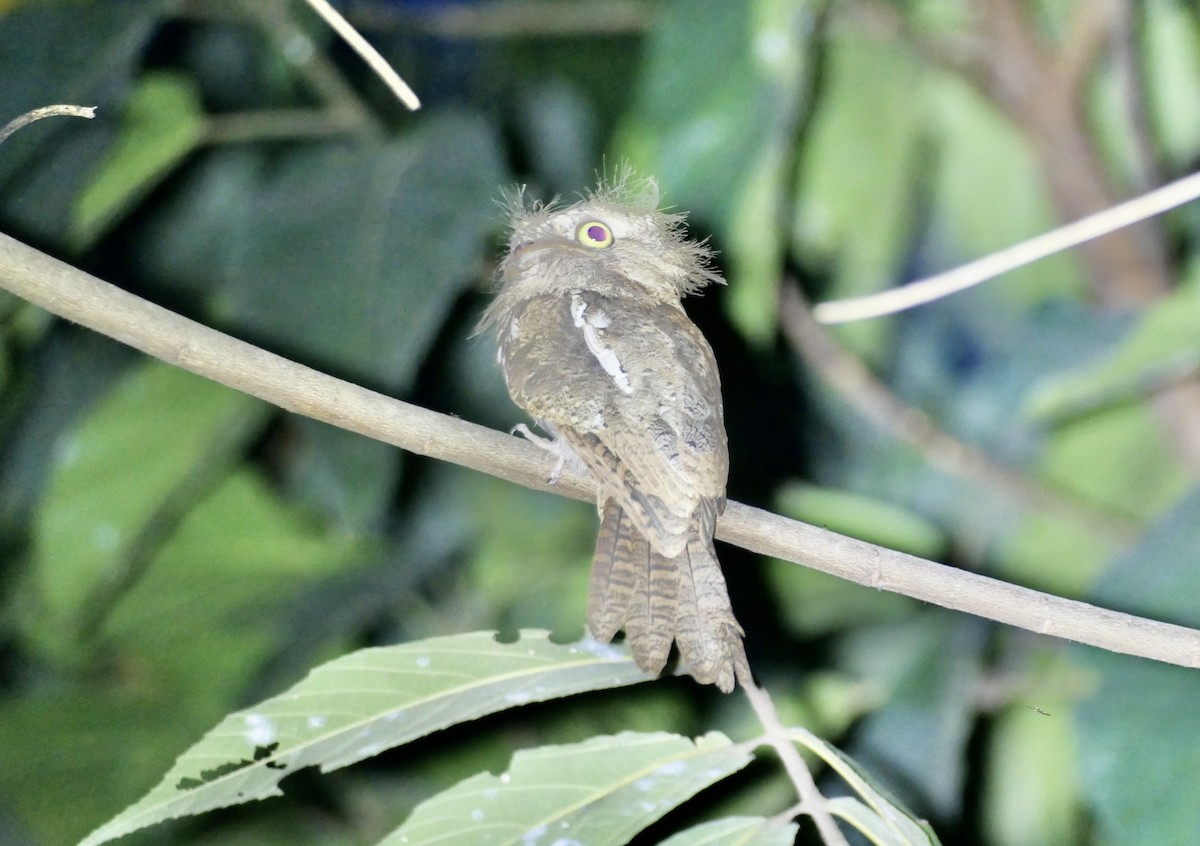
{"x":520,"y":255}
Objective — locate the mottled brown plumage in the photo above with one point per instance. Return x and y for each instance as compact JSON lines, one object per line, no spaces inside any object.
{"x":595,"y":345}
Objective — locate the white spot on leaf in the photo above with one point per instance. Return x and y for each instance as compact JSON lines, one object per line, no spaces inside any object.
{"x":106,"y":537}
{"x":533,"y":835}
{"x":69,"y":452}
{"x":260,"y":730}
{"x":771,"y":47}
{"x":601,"y":650}
{"x":298,"y":50}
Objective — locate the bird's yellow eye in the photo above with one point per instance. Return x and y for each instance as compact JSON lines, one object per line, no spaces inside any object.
{"x":594,"y":234}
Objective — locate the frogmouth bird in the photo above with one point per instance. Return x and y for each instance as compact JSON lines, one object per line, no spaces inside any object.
{"x":594,"y":344}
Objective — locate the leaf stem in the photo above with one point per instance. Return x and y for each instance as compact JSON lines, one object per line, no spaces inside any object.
{"x":812,"y":801}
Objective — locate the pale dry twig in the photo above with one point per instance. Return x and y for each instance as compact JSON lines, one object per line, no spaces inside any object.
{"x":927,"y":290}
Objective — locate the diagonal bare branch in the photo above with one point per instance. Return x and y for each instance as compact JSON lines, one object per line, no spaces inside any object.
{"x":84,"y":299}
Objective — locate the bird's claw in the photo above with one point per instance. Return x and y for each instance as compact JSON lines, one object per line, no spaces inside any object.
{"x":550,"y":445}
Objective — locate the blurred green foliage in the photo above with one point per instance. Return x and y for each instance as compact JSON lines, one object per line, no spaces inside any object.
{"x":171,"y":551}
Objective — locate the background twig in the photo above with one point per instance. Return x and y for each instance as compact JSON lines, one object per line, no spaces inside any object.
{"x":368,"y":53}
{"x":871,"y":398}
{"x":12,"y":126}
{"x":1087,"y":230}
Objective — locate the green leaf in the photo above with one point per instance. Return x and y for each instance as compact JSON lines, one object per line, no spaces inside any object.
{"x":1167,"y":122}
{"x":211,"y":606}
{"x":163,"y":123}
{"x":737,"y":831}
{"x":57,"y":739}
{"x":1044,"y":552}
{"x":362,"y":704}
{"x":215,"y":601}
{"x":813,"y":603}
{"x":348,"y":478}
{"x":990,"y":193}
{"x":355,"y":255}
{"x":124,"y":476}
{"x":601,"y":791}
{"x":930,"y":664}
{"x":755,"y":243}
{"x":856,"y":193}
{"x":724,"y":152}
{"x":1140,"y":726}
{"x":863,"y":517}
{"x":1118,"y":458}
{"x":870,"y":823}
{"x":80,"y":53}
{"x":697,"y":146}
{"x":1141,"y":753}
{"x":1171,"y":54}
{"x":553,"y":561}
{"x":887,"y":821}
{"x":1165,"y":340}
{"x":1159,"y":578}
{"x":1032,"y":785}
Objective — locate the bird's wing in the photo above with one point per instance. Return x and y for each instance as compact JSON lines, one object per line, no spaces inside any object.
{"x":634,"y":391}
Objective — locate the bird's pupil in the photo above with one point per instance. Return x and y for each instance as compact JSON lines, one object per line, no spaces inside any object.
{"x":596,"y":233}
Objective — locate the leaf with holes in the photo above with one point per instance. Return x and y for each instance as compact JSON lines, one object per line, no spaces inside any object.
{"x":364,"y":703}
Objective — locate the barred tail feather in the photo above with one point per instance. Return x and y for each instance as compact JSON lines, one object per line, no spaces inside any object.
{"x":659,"y":599}
{"x":709,"y":637}
{"x":651,"y":623}
{"x":614,"y":573}
{"x":632,"y":587}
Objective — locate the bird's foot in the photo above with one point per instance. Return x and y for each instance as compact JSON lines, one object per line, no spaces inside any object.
{"x":555,"y":446}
